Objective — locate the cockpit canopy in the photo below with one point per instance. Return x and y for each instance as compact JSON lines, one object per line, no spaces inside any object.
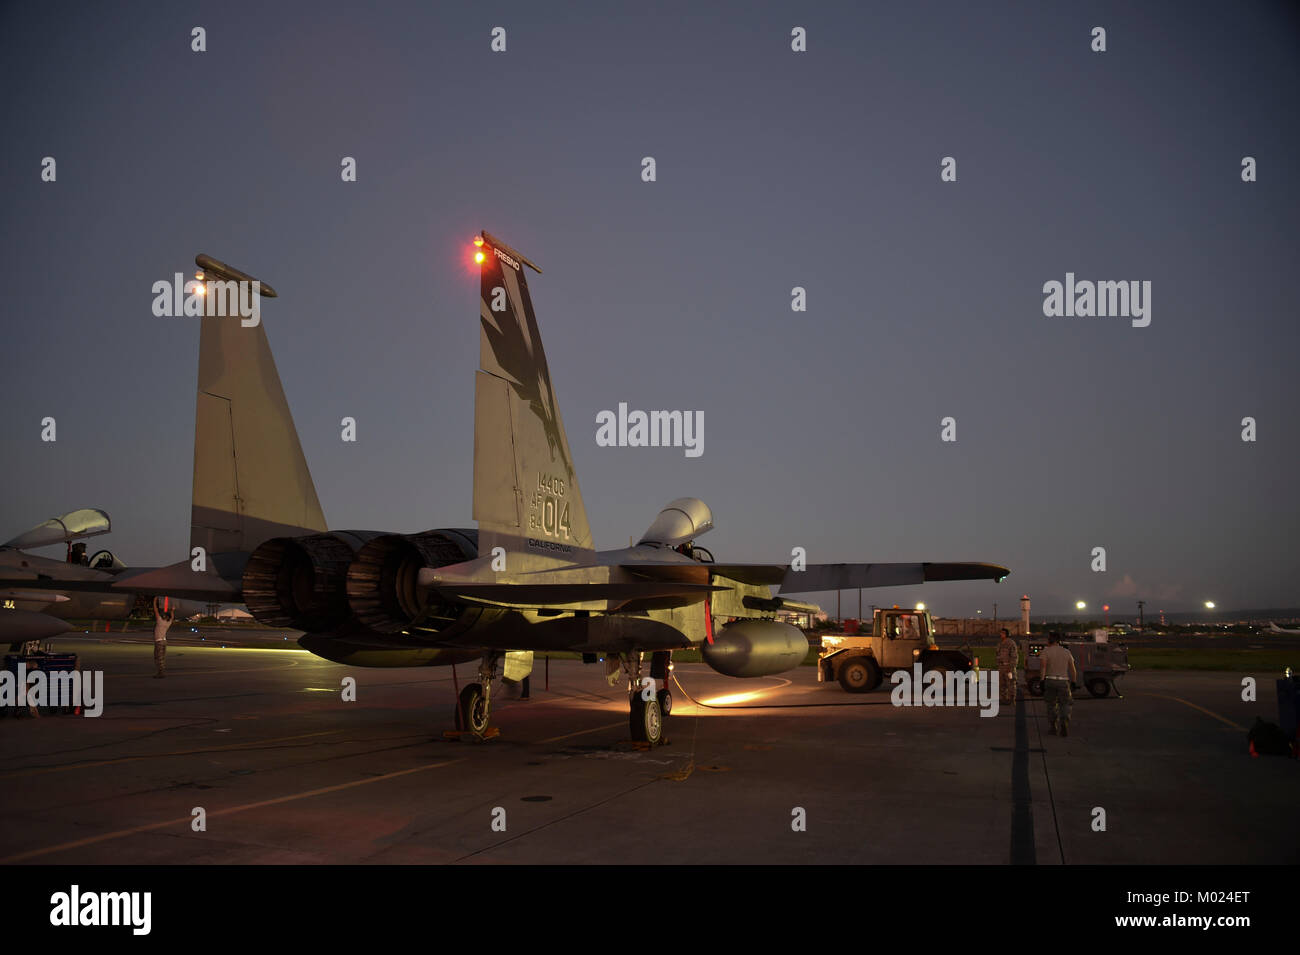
{"x":74,"y":525}
{"x":682,"y":520}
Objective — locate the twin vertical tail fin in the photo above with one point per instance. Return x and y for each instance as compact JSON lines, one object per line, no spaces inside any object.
{"x":526,"y":496}
{"x":251,"y":480}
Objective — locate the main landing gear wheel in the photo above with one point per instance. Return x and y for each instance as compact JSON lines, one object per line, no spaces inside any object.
{"x":646,"y":720}
{"x":472,"y":714}
{"x":665,"y":702}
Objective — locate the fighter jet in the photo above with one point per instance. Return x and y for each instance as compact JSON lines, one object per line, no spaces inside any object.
{"x":33,"y":613}
{"x":39,"y":595}
{"x":528,"y":578}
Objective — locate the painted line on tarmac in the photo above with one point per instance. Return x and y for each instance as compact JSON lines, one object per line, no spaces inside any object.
{"x":1221,"y":719}
{"x":92,"y":840}
{"x":594,"y":729}
{"x":40,"y":770}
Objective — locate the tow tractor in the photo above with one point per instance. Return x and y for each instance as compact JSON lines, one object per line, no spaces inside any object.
{"x":899,"y":639}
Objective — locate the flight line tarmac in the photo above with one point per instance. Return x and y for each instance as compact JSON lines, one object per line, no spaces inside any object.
{"x":286,"y":772}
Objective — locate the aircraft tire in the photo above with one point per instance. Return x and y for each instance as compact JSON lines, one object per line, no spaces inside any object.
{"x":646,"y":721}
{"x":471,"y":711}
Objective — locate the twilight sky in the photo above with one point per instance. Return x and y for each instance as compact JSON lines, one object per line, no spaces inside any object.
{"x":775,"y":169}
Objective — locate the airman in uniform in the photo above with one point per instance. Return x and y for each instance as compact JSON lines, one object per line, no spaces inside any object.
{"x":1058,"y":672}
{"x":162,"y":621}
{"x":1008,"y":656}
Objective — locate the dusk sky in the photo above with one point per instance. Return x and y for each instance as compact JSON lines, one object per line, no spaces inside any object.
{"x":774,"y":169}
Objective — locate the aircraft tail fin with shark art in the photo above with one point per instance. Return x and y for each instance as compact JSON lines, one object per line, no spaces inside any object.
{"x":526,"y":496}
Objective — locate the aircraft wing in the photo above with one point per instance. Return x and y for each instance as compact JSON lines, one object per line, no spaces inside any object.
{"x":818,"y":577}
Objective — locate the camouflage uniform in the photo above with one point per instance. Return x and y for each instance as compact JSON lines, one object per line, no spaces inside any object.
{"x":1008,"y":656}
{"x":1059,"y":672}
{"x":161,"y":623}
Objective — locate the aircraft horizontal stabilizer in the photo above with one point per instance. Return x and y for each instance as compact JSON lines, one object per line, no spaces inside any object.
{"x":641,"y":595}
{"x":179,"y":580}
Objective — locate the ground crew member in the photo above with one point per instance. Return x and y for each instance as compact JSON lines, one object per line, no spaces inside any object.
{"x":161,"y":621}
{"x":1008,"y":656}
{"x":1059,"y":672}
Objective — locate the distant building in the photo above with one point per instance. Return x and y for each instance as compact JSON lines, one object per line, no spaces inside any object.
{"x":975,"y":627}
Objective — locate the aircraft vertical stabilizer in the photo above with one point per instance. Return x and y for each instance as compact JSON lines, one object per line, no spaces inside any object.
{"x":526,"y":496}
{"x":251,"y":480}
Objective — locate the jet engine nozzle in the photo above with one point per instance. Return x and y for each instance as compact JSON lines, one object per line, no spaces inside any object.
{"x":383,"y":581}
{"x":299,"y":582}
{"x":755,"y":648}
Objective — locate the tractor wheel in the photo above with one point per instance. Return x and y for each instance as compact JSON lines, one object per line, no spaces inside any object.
{"x":859,"y":675}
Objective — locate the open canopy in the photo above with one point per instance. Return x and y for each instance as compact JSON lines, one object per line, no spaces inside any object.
{"x":87,"y":522}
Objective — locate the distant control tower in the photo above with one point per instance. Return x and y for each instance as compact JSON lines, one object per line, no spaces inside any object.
{"x":1024,"y":614}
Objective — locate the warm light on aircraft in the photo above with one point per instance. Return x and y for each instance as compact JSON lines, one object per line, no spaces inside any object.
{"x":479,"y":257}
{"x":730,"y":699}
{"x":1209,"y":605}
{"x":1080,"y":605}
